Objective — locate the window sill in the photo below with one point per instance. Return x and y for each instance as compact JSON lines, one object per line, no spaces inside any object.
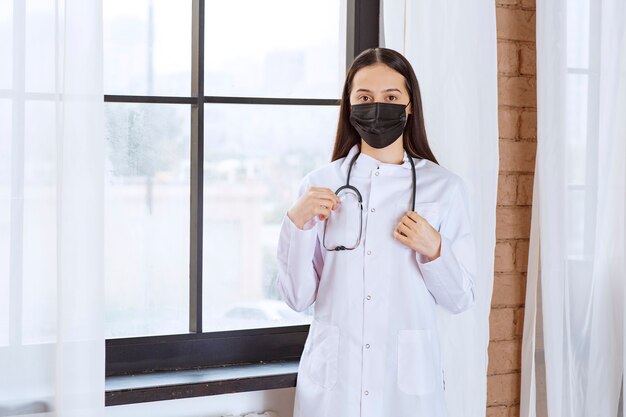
{"x":171,"y":385}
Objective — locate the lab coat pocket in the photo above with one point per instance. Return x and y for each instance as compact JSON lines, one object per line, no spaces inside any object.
{"x":324,"y":354}
{"x":417,"y":367}
{"x":429,"y":211}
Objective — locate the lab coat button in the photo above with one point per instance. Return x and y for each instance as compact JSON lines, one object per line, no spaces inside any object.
{"x":369,"y":297}
{"x":373,"y":209}
{"x":366,"y":392}
{"x":369,"y":252}
{"x":367,"y":346}
{"x":377,"y":173}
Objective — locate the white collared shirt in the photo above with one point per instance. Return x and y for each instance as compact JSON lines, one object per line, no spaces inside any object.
{"x":373,"y":347}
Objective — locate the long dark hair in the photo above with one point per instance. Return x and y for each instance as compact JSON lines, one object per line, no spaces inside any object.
{"x":414,"y":136}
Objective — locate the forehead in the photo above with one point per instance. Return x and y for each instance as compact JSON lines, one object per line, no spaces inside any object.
{"x":378,"y":77}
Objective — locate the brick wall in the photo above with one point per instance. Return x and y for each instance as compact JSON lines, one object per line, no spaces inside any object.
{"x":515,"y":20}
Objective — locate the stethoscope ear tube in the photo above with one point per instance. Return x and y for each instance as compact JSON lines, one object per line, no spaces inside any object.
{"x":347,"y":185}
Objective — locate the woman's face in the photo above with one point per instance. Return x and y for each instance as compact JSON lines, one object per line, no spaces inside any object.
{"x":379,"y":83}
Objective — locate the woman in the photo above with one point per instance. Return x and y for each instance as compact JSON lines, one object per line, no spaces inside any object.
{"x":373,"y":347}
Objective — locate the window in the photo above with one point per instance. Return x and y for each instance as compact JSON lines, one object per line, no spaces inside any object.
{"x":582,"y":126}
{"x":255,"y":145}
{"x":214,"y":111}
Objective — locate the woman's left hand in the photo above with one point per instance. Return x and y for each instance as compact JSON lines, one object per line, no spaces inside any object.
{"x":415,"y":232}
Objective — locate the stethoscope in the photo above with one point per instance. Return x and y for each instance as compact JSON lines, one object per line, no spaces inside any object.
{"x":360,"y":199}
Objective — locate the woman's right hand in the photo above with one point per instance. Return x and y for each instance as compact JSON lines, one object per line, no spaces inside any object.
{"x":315,"y":201}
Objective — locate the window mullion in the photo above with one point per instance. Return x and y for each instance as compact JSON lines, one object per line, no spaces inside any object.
{"x":197,"y":167}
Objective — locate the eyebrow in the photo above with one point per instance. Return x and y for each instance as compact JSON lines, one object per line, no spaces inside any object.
{"x":384,"y":91}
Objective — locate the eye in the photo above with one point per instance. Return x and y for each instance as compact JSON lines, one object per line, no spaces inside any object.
{"x":393,"y":97}
{"x":363,"y":97}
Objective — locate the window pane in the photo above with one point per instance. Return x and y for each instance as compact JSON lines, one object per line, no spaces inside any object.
{"x":39,"y":49}
{"x":578,"y":17}
{"x":37,"y":253}
{"x":577,"y":107}
{"x":5,"y":216}
{"x":147,"y":219}
{"x":28,"y":224}
{"x":6,"y":43}
{"x":576,"y":220}
{"x":275,"y":48}
{"x":147,"y":47}
{"x":255,"y":157}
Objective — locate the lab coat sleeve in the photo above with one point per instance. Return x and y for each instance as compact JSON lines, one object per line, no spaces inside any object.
{"x":450,"y":278}
{"x":300,"y":261}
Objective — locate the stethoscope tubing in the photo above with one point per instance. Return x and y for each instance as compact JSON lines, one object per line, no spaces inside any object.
{"x":360,"y":197}
{"x":347,"y":185}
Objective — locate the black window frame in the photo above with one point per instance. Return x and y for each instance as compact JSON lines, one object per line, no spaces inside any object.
{"x":197,"y":349}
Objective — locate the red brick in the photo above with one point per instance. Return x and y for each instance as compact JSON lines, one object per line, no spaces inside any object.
{"x":503,"y":389}
{"x":507,"y":189}
{"x":517,"y":91}
{"x":519,"y":322}
{"x":513,"y":222}
{"x":524,"y":193}
{"x":515,"y":24}
{"x":517,"y":130}
{"x":504,"y":257}
{"x":504,"y":357}
{"x":508,"y":123}
{"x":528,"y":125}
{"x":521,"y":256}
{"x":527,"y":59}
{"x":508,"y":58}
{"x":517,"y":156}
{"x":498,"y":411}
{"x":509,"y":290}
{"x":502,"y":325}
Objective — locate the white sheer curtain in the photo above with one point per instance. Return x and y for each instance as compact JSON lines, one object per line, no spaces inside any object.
{"x":51,"y":208}
{"x":573,"y":348}
{"x":452,"y":47}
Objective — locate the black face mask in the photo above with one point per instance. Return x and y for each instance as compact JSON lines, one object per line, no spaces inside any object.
{"x":379,"y":124}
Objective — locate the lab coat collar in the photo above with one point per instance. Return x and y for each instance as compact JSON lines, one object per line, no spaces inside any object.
{"x":368,"y":162}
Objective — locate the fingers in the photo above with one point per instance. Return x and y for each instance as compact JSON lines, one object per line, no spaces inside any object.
{"x":410,"y":223}
{"x":403,"y":229}
{"x":323,"y":192}
{"x":327,"y":202}
{"x":401,"y":237}
{"x":324,"y":197}
{"x":322,"y":212}
{"x":413,"y":216}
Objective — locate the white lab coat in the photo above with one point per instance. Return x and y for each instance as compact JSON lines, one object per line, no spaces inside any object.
{"x":373,"y":348}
